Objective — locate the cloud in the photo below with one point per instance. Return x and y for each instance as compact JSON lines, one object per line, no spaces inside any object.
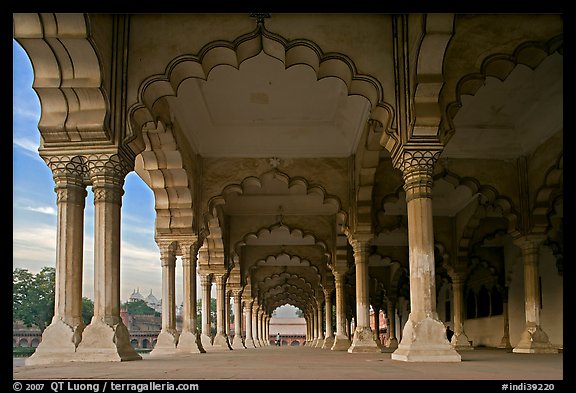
{"x":34,"y":244}
{"x":26,"y":144}
{"x":42,"y":209}
{"x":25,"y":112}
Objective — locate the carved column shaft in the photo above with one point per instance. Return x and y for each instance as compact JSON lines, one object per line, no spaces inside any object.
{"x":168,"y":260}
{"x":530,"y":255}
{"x":458,"y":293}
{"x":107,"y":189}
{"x":255,"y":324}
{"x":328,"y":302}
{"x":206,"y":284}
{"x":391,"y":321}
{"x":220,"y":304}
{"x":237,"y":315}
{"x":340,"y":304}
{"x":362,"y":295}
{"x":418,"y":187}
{"x":189,"y":317}
{"x":71,"y":196}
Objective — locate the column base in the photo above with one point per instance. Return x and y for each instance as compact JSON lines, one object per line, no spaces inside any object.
{"x":221,"y":342}
{"x":206,"y":341}
{"x":166,"y":343}
{"x":189,"y":342}
{"x":425,"y":341}
{"x":460,"y":342}
{"x":102,"y":342}
{"x":313,"y":343}
{"x":534,"y":340}
{"x":319,"y":343}
{"x":392,"y":346}
{"x":363,"y":341}
{"x":328,"y":342}
{"x":59,"y":343}
{"x":341,"y":343}
{"x":238,"y":343}
{"x":249,"y":343}
{"x":505,"y":343}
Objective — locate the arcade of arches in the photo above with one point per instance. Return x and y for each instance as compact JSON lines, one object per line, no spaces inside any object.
{"x":409,"y":164}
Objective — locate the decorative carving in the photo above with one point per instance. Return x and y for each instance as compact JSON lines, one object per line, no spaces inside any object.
{"x":417,"y":167}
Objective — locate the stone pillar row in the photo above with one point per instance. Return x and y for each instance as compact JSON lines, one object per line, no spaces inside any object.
{"x":106,"y":338}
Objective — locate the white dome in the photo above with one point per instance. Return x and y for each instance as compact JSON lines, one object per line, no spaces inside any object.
{"x":151,"y":299}
{"x":136,"y":295}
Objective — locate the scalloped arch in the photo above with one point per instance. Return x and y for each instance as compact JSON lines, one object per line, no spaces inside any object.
{"x":547,"y":194}
{"x":498,"y":65}
{"x":296,"y":185}
{"x":233,"y":53}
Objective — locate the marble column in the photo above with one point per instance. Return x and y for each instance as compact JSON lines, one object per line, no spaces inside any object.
{"x":424,"y":335}
{"x":168,"y":338}
{"x":533,"y":338}
{"x":319,"y":327}
{"x":460,"y":340}
{"x":62,"y":337}
{"x":249,"y":340}
{"x":206,"y":335}
{"x":267,"y":329}
{"x":391,"y":313}
{"x":261,"y":338}
{"x":341,"y":340}
{"x":255,"y":325}
{"x":363,"y":340}
{"x":329,"y":339}
{"x":238,"y":342}
{"x":189,"y":341}
{"x":314,"y":326}
{"x":221,"y":339}
{"x":505,"y":342}
{"x":227,"y":317}
{"x":106,"y":338}
{"x":376,"y":331}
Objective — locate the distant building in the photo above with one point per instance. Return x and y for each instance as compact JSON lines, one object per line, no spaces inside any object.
{"x":150,"y":300}
{"x":292,"y":330}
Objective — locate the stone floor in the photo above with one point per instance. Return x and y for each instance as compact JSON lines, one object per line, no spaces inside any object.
{"x":304,"y":363}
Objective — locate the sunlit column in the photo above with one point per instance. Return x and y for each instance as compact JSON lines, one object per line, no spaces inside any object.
{"x":329,"y":339}
{"x":168,"y":337}
{"x":62,"y":337}
{"x":363,"y":340}
{"x":221,"y":339}
{"x":189,"y":340}
{"x":206,"y":285}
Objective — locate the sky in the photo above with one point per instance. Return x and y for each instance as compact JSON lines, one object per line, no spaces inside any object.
{"x":34,"y":207}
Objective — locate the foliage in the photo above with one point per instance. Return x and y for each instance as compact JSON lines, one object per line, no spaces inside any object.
{"x":299,"y":313}
{"x":139,"y":307}
{"x":33,"y":296}
{"x":87,"y":310}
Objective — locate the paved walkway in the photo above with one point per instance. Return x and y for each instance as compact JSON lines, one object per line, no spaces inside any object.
{"x":304,"y":363}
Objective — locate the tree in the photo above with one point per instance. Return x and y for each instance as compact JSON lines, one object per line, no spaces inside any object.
{"x":299,"y":313}
{"x":33,"y":296}
{"x":139,"y":307}
{"x":87,"y":310}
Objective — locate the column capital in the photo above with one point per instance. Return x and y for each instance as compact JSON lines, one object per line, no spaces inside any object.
{"x":205,"y":279}
{"x":108,"y":167}
{"x":529,"y":243}
{"x":360,"y":243}
{"x":417,"y":166}
{"x":67,"y":169}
